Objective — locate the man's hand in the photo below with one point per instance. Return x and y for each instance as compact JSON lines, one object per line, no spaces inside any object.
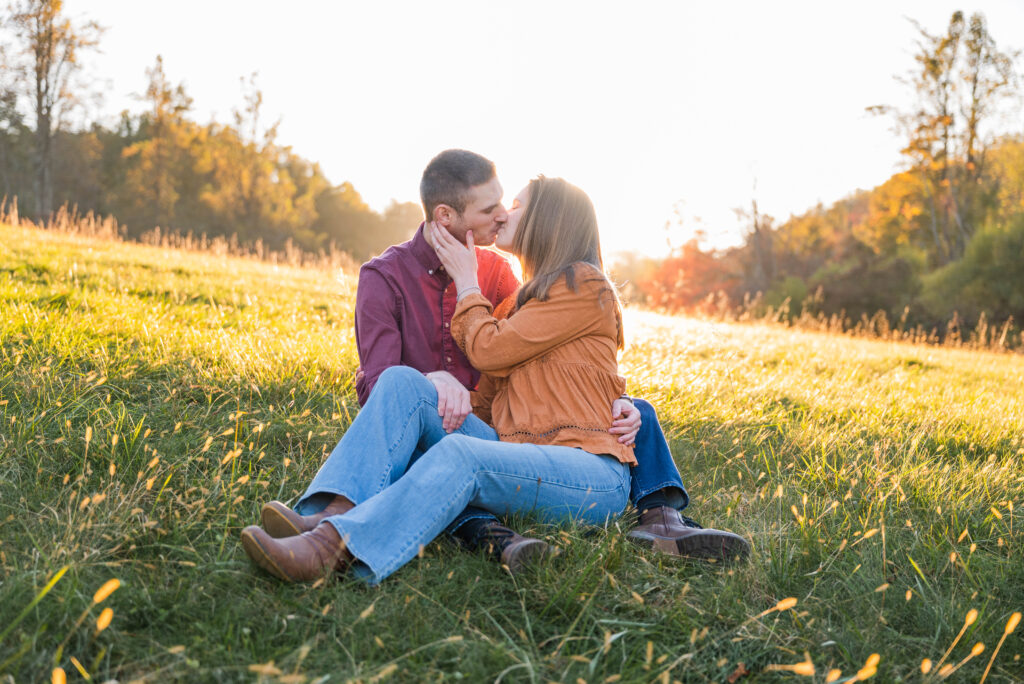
{"x":625,"y":421}
{"x":452,"y":399}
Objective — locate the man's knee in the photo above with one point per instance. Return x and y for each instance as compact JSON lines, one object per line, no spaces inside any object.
{"x":647,"y":412}
{"x":402,"y":379}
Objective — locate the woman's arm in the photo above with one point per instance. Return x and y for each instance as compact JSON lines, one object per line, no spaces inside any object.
{"x":495,"y":347}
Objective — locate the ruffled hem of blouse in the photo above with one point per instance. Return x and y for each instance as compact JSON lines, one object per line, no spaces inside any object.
{"x":593,"y":440}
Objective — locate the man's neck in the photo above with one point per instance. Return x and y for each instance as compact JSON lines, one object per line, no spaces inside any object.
{"x":426,"y":234}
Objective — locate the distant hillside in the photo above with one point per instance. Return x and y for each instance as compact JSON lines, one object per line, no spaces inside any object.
{"x":877,"y":250}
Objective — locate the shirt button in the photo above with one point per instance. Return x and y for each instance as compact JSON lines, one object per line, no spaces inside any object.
{"x":449,"y":359}
{"x":430,"y":272}
{"x":446,"y":325}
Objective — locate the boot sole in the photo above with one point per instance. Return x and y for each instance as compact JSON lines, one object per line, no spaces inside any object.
{"x":259,"y":555}
{"x":277,"y":524}
{"x":711,"y":547}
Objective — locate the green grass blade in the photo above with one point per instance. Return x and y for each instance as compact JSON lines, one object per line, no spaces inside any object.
{"x":39,"y":597}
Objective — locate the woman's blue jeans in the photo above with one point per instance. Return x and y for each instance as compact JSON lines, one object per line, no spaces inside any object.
{"x":403,"y":502}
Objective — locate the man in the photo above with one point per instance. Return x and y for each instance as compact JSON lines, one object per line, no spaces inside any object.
{"x":404,"y":305}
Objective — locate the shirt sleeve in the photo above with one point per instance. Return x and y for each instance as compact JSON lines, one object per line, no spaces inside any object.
{"x":378,"y":330}
{"x":496,"y":278}
{"x":507,"y":282}
{"x":496,"y":347}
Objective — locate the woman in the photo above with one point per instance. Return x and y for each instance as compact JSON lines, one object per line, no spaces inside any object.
{"x":550,"y":373}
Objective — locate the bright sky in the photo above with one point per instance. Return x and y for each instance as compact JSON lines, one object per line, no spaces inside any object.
{"x":648,"y":106}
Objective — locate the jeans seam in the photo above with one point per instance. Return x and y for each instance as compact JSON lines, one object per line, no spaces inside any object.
{"x":385,"y":476}
{"x":415,"y":409}
{"x":559,"y":484}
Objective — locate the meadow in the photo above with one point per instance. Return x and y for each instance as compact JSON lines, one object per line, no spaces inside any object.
{"x":151,"y":399}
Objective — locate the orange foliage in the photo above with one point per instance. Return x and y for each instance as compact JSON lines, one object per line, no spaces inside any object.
{"x":684,"y":280}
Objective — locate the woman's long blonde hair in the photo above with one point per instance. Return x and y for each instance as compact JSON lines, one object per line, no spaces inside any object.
{"x":558,"y":229}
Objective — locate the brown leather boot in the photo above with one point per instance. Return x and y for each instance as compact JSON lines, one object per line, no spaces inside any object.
{"x":515,"y":551}
{"x":664,"y":529}
{"x":280,"y":521}
{"x":521,"y":552}
{"x":303,"y":558}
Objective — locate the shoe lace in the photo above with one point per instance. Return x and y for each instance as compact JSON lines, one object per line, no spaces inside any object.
{"x":690,"y":522}
{"x":495,"y":536}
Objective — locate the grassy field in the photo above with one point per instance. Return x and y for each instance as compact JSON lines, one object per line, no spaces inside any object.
{"x":151,"y":400}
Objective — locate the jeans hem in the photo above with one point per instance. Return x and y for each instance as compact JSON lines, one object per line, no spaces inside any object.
{"x":665,"y":485}
{"x":367,"y":573}
{"x":325,"y":490}
{"x":378,"y":575}
{"x":460,"y":521}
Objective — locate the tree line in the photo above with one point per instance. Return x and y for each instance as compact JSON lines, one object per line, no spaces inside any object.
{"x":942,"y":237}
{"x":161,"y":168}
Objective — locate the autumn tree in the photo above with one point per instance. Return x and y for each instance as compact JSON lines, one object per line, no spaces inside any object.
{"x":347,"y":221}
{"x":158,"y":167}
{"x":155,"y":164}
{"x":1006,"y":162}
{"x":51,"y":47}
{"x":398,"y":224}
{"x":683,"y":280}
{"x":759,"y":238}
{"x":12,"y":126}
{"x":960,"y":84}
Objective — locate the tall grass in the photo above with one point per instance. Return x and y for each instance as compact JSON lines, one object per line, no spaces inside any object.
{"x":806,"y":315}
{"x":151,"y":399}
{"x":70,"y":221}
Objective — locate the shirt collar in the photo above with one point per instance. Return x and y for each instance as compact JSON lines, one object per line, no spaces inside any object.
{"x":424,"y":253}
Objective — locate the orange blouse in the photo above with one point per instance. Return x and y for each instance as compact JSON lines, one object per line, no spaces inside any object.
{"x":550,"y":370}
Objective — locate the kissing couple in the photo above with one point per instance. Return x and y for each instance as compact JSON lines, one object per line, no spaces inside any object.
{"x":483,"y":397}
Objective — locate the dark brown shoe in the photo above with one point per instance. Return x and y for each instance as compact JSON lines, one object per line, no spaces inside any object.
{"x":303,"y":558}
{"x":514,"y":550}
{"x":521,"y":552}
{"x":664,"y":529}
{"x":280,"y":521}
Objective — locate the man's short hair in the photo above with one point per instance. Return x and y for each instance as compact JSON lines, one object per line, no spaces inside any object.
{"x":449,"y":177}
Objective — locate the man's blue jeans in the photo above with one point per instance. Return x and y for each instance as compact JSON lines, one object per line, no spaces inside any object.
{"x":402,"y":505}
{"x":655,"y":468}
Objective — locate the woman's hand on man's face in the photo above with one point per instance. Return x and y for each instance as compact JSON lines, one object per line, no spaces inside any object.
{"x":458,"y":259}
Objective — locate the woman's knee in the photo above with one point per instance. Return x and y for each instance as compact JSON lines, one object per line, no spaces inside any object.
{"x":455,"y":452}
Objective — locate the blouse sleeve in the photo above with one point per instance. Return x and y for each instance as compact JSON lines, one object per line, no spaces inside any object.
{"x":496,"y":346}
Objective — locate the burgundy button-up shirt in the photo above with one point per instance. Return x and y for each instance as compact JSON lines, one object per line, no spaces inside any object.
{"x":404,"y":307}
